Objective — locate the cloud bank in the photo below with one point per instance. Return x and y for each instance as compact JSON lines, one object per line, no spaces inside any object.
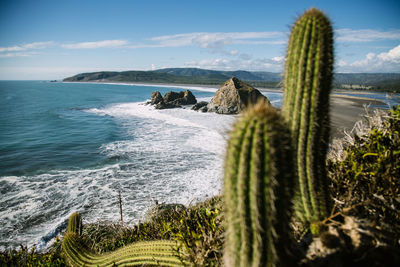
{"x":365,"y":35}
{"x":383,"y":62}
{"x":233,"y":50}
{"x":274,"y":64}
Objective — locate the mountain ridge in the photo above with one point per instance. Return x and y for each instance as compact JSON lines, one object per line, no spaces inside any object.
{"x":365,"y":81}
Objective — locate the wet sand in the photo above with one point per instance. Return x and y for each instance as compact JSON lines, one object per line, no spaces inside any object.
{"x":347,"y":110}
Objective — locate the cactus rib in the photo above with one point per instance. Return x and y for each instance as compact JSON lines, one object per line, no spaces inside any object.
{"x":259,"y":183}
{"x":162,"y":252}
{"x":307,"y":82}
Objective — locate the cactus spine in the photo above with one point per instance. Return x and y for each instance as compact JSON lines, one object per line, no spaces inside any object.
{"x":307,"y":84}
{"x":163,"y":252}
{"x":259,"y":182}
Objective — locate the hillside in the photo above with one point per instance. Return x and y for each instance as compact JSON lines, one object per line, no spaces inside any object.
{"x":389,"y":82}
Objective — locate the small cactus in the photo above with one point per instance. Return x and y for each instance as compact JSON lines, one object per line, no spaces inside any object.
{"x":259,"y":182}
{"x":153,"y":253}
{"x":75,"y":223}
{"x":307,"y":85}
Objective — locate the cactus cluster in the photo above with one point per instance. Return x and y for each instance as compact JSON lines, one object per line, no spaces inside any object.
{"x":259,"y":184}
{"x":307,"y":85}
{"x":162,"y":253}
{"x":270,"y":156}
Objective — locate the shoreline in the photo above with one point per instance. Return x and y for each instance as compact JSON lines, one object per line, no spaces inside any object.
{"x":346,"y":109}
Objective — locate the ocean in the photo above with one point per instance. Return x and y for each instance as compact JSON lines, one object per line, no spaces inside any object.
{"x":67,"y":147}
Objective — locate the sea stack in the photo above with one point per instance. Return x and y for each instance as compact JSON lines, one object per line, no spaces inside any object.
{"x":234,"y":96}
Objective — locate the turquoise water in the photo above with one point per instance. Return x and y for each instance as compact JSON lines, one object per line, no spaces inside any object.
{"x":67,"y":147}
{"x":44,"y":125}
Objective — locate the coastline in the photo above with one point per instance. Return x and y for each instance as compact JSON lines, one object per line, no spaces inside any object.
{"x":346,"y":109}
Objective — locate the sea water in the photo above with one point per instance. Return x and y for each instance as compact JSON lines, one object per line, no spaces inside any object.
{"x":67,"y":147}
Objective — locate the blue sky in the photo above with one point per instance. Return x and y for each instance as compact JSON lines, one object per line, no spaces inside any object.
{"x":54,"y":39}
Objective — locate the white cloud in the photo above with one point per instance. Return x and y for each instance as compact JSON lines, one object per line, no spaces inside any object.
{"x":392,"y":56}
{"x":366,"y":35}
{"x":382,"y":62}
{"x":215,"y":42}
{"x":260,"y":64}
{"x":24,"y":47}
{"x":18,"y":54}
{"x":280,"y":59}
{"x":98,"y":44}
{"x":212,"y":40}
{"x":47,"y":72}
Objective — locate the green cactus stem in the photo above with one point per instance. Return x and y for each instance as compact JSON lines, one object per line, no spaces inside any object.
{"x":307,"y":85}
{"x":153,"y":253}
{"x":75,"y":223}
{"x":259,"y":182}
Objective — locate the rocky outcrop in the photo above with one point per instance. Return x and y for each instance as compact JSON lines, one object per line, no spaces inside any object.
{"x":234,"y":96}
{"x":200,"y":106}
{"x":156,"y":98}
{"x":172,"y":99}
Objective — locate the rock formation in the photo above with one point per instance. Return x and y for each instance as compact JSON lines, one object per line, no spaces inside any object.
{"x":172,"y":99}
{"x":200,"y":106}
{"x":156,"y":98}
{"x":234,"y":96}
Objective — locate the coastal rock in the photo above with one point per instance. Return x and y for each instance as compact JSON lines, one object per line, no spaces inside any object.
{"x":181,"y":98}
{"x":156,"y":98}
{"x":172,"y":99}
{"x":171,"y":96}
{"x":200,"y":106}
{"x":234,"y":96}
{"x":163,"y":105}
{"x":189,"y":98}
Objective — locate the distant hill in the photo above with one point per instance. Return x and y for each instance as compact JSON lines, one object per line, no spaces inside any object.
{"x":240,"y":74}
{"x":364,"y":81}
{"x":179,"y":75}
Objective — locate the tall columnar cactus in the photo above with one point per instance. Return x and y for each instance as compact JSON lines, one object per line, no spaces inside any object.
{"x":259,"y":182}
{"x":307,"y":85}
{"x":153,"y":253}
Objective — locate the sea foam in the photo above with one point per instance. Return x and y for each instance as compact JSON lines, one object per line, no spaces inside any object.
{"x":172,"y":156}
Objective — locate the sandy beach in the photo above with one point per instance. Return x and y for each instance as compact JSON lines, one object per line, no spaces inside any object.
{"x":346,"y":109}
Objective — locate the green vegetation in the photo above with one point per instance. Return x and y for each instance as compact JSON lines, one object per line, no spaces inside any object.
{"x":259,"y":185}
{"x":367,"y":175}
{"x":75,"y":224}
{"x":160,"y":252}
{"x":307,"y":83}
{"x":178,"y":76}
{"x":31,"y":257}
{"x":198,"y":229}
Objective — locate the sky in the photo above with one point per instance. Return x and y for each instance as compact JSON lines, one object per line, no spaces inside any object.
{"x":54,"y":39}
